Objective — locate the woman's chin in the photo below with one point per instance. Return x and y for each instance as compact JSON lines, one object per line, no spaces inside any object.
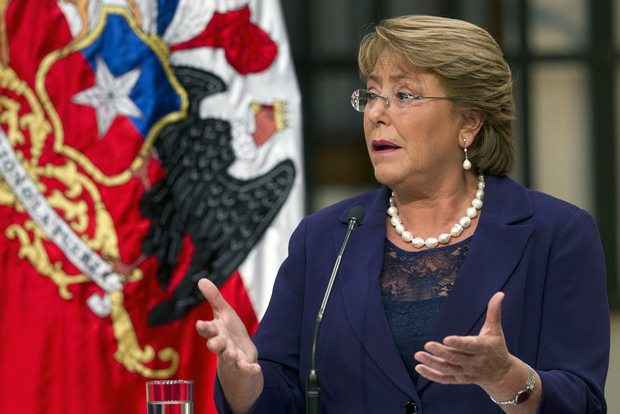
{"x":389,"y":176}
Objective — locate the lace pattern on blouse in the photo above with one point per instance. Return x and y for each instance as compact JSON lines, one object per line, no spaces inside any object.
{"x":413,"y":276}
{"x":414,"y":285}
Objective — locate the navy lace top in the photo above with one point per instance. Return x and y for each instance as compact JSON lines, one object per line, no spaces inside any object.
{"x":414,"y":285}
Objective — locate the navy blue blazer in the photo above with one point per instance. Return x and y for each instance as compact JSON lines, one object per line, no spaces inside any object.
{"x":545,"y":254}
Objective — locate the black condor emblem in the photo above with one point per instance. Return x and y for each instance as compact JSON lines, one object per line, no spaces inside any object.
{"x":224,"y":216}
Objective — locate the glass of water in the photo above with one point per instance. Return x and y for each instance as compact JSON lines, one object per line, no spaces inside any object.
{"x":170,"y":397}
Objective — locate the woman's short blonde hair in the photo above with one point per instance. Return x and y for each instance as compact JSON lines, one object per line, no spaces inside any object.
{"x":469,"y":63}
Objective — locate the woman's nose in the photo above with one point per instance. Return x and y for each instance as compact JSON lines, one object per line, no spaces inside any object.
{"x":377,"y":111}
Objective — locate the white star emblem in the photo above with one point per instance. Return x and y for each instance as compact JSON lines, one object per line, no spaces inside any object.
{"x":110,"y":96}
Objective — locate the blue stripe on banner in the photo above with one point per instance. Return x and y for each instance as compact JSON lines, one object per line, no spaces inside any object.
{"x":123,"y":51}
{"x":165,"y":13}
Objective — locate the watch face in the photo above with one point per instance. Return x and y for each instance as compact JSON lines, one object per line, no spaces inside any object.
{"x":523,"y":396}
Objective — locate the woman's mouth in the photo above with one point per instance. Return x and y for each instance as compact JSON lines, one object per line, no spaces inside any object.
{"x":382,"y":145}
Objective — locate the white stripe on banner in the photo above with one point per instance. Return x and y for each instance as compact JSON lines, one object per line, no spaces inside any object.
{"x":277,"y":83}
{"x":57,"y":230}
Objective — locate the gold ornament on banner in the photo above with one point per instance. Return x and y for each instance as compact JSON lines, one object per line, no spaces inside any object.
{"x":31,"y":120}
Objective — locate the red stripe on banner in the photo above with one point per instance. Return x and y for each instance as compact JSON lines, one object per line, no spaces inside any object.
{"x":29,"y":35}
{"x":247,"y":47}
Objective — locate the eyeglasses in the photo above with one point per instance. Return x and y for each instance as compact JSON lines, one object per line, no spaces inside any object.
{"x":363,"y":98}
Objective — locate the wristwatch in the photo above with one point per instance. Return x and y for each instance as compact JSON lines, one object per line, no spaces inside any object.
{"x":522,"y":395}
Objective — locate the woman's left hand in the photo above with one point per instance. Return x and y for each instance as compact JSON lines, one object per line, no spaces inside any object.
{"x":483,"y":359}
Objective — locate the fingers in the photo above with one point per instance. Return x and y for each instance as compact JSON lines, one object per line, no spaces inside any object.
{"x":235,"y":358}
{"x":434,"y":375}
{"x":250,"y":367}
{"x":219,"y":345}
{"x":448,"y":365}
{"x":212,"y":295}
{"x":441,"y":363}
{"x":217,"y":339}
{"x":451,"y":355}
{"x":206,"y":329}
{"x":438,"y":364}
{"x":493,"y":320}
{"x":466,"y":344}
{"x":232,"y":357}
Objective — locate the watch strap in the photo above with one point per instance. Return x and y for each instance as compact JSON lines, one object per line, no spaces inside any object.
{"x":523,"y":394}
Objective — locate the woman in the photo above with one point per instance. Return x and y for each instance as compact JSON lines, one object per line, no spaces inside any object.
{"x":461,"y":291}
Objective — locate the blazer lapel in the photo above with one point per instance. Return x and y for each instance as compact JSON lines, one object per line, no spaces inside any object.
{"x":495,"y":251}
{"x":360,"y":271}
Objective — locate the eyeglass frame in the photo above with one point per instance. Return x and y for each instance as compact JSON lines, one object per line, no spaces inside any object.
{"x":418,"y":98}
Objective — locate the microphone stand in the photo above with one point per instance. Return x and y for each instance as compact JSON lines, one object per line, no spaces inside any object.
{"x":313,"y":389}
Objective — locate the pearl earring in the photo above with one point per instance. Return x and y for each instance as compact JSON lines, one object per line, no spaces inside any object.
{"x":466,"y":163}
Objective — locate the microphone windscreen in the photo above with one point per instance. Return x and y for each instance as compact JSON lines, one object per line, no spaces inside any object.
{"x":356,"y":213}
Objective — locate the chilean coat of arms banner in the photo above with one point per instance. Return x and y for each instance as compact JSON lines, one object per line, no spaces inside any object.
{"x":144,"y":144}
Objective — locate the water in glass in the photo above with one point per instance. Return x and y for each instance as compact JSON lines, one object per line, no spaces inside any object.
{"x":170,"y":407}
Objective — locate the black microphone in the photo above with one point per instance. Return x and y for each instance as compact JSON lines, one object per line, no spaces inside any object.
{"x":313,"y":390}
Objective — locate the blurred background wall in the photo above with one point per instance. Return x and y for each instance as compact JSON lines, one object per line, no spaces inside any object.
{"x":566,"y":68}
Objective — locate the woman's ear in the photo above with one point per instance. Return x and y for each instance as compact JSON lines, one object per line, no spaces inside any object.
{"x":471,"y":125}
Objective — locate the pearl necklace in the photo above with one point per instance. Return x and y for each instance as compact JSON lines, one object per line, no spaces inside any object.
{"x":444,"y":238}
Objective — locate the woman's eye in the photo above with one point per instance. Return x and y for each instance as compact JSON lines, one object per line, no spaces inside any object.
{"x":407,"y":97}
{"x":371,"y":95}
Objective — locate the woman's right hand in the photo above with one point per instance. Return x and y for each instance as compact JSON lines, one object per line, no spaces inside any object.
{"x":237,"y":367}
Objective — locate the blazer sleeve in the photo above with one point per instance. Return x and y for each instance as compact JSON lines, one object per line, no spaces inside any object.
{"x":575,"y":335}
{"x":278,"y":337}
